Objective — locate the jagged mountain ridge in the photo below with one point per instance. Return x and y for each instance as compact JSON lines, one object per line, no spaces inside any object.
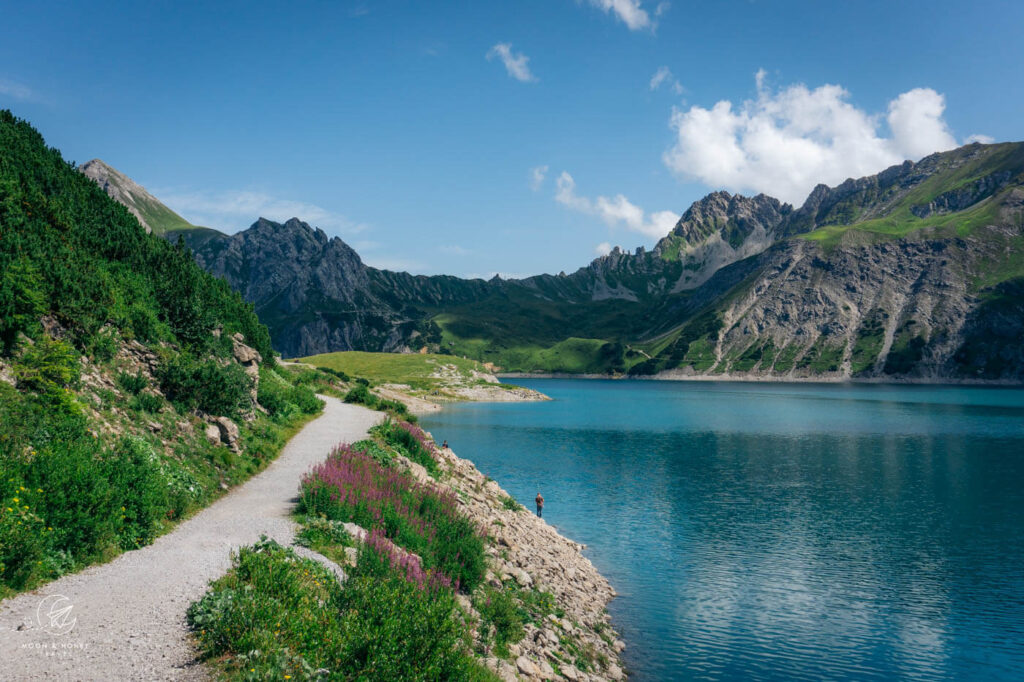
{"x":755,"y":277}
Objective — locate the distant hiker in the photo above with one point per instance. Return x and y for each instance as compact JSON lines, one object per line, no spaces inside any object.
{"x":540,"y":504}
{"x":444,"y":445}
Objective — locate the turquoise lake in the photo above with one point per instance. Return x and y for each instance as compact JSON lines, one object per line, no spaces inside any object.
{"x":781,"y":531}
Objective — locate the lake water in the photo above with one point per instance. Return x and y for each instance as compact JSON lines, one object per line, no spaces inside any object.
{"x":781,"y":531}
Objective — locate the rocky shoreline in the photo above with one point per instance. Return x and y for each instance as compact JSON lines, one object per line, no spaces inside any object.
{"x":527,"y":550}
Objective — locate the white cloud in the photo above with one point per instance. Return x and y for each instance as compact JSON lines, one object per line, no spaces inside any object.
{"x":785,"y":142}
{"x":664,"y":76}
{"x":915,"y":119}
{"x":234,"y":210}
{"x":603,"y":249}
{"x":455,"y":250}
{"x":517,"y":65}
{"x":537,"y":176}
{"x":614,"y":211}
{"x":983,"y":139}
{"x":15,"y":90}
{"x":631,"y":12}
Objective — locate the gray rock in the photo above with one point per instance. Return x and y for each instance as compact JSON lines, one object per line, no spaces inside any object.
{"x":526,"y":666}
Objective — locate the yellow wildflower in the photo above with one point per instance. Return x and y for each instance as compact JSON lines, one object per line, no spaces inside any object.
{"x":16,"y":499}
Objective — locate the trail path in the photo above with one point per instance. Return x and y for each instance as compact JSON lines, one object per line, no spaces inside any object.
{"x":131,"y":612}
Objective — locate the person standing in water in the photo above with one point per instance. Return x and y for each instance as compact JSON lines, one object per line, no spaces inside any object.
{"x":540,"y":505}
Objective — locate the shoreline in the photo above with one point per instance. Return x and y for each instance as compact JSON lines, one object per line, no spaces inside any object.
{"x":494,"y":393}
{"x":670,"y":375}
{"x":531,"y":553}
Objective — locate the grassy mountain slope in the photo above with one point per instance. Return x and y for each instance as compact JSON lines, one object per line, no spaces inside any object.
{"x":150,"y":211}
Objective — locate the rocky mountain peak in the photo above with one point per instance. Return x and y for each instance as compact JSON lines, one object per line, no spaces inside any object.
{"x":147,"y":209}
{"x":733,"y":216}
{"x":119,"y":187}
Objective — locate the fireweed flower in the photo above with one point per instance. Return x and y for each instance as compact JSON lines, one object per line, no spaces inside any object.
{"x":352,"y":486}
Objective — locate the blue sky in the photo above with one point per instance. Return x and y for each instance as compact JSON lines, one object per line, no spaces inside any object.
{"x":417,"y":132}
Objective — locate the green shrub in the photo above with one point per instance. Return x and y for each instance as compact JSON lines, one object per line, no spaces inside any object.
{"x":47,"y":366}
{"x":22,"y":301}
{"x":283,"y":400}
{"x":205,"y":384}
{"x":410,"y":440}
{"x":132,"y":383}
{"x":78,"y":501}
{"x":23,"y":537}
{"x":138,"y":485}
{"x":373,"y":449}
{"x":275,"y":614}
{"x":148,"y":402}
{"x":336,"y":372}
{"x":103,"y":344}
{"x":500,"y":610}
{"x":508,"y":502}
{"x":397,"y":410}
{"x":360,"y":395}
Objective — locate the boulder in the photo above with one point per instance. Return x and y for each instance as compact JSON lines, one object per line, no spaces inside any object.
{"x":250,"y":359}
{"x":526,"y":666}
{"x":212,"y":433}
{"x":228,"y":431}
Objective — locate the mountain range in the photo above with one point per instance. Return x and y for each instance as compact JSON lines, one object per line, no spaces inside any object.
{"x":915,"y":273}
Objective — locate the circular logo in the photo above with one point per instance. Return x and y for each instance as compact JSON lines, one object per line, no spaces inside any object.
{"x":54,"y":615}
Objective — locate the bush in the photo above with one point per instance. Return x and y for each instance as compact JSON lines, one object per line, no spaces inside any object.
{"x":282,"y":400}
{"x":500,"y":610}
{"x":103,"y":344}
{"x":206,"y":385}
{"x":148,"y":402}
{"x":372,"y":449}
{"x":508,"y":502}
{"x":411,"y":441}
{"x":138,"y":485}
{"x":276,"y":615}
{"x":336,"y":372}
{"x":360,"y":395}
{"x":22,"y":301}
{"x":132,"y":383}
{"x":47,"y":366}
{"x":78,"y":501}
{"x":22,"y":539}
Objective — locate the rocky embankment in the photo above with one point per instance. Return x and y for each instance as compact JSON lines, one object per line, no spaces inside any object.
{"x":525,"y":552}
{"x":531,"y":552}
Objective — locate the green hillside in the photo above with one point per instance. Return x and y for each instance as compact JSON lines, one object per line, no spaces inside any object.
{"x":117,"y":355}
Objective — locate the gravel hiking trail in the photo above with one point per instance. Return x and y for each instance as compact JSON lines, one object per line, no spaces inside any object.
{"x":128,"y":615}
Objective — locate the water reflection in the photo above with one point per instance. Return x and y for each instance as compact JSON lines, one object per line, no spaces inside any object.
{"x":782,"y":532}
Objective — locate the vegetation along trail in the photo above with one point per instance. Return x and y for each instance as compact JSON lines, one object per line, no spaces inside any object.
{"x":129,"y":614}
